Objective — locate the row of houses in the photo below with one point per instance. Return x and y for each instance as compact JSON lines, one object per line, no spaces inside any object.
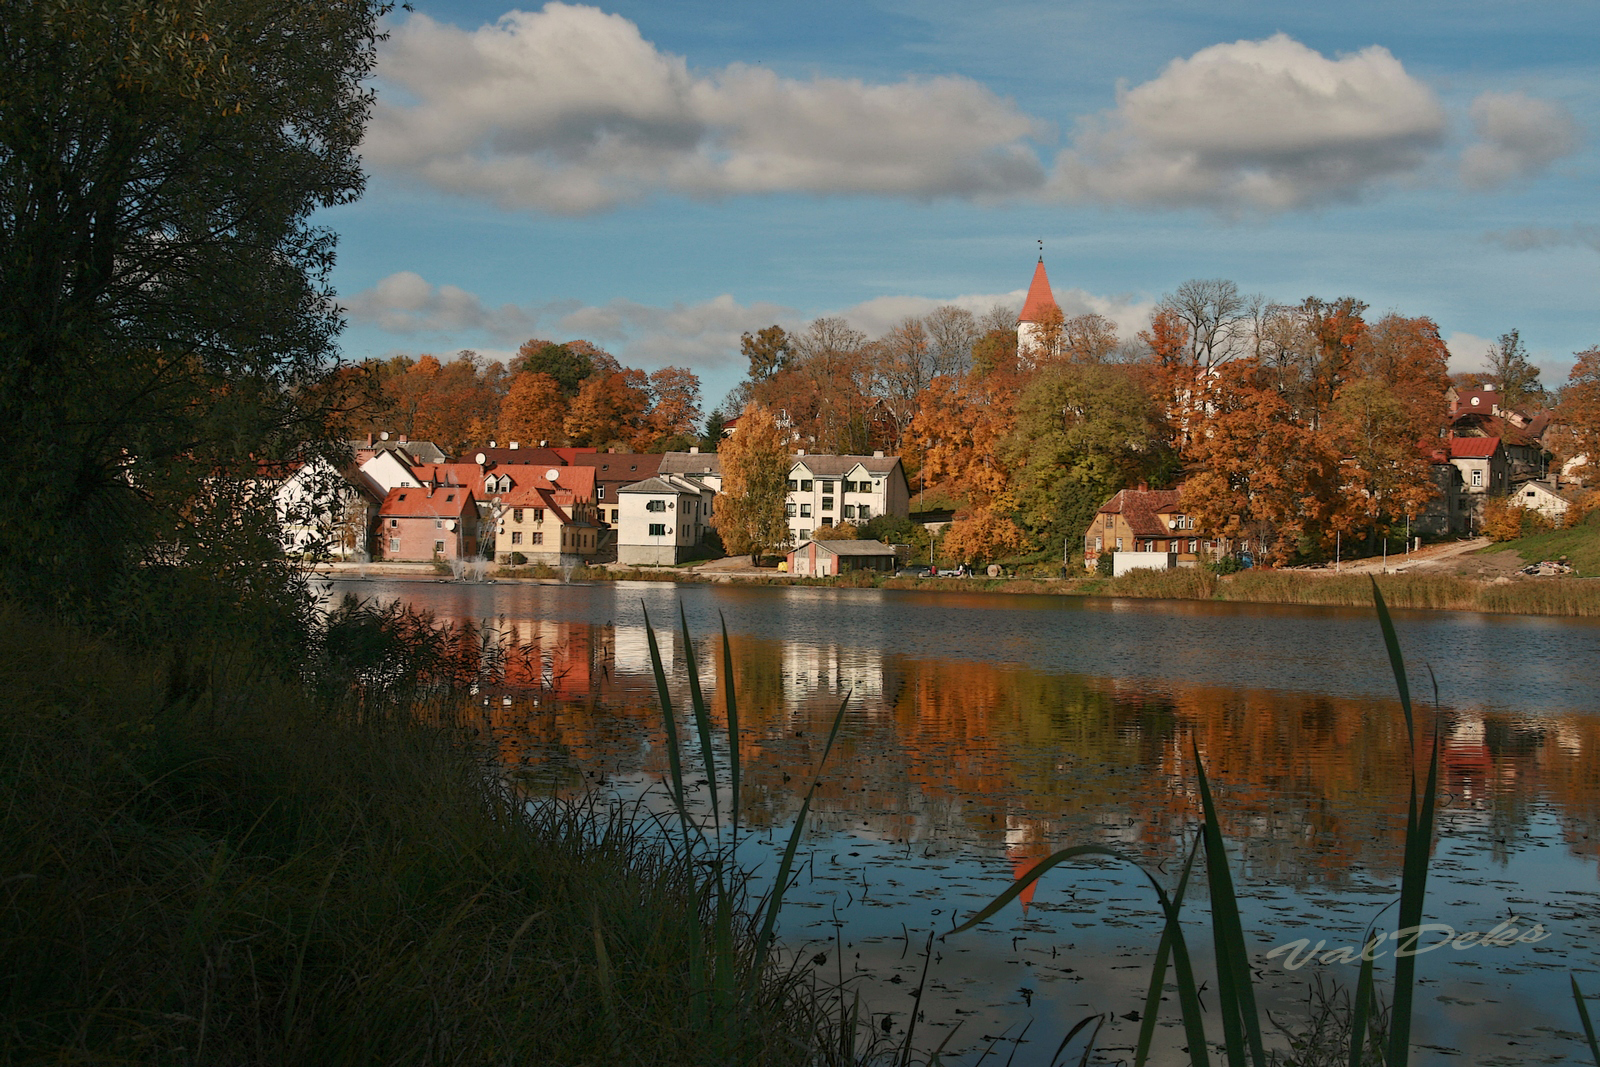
{"x":406,"y":500}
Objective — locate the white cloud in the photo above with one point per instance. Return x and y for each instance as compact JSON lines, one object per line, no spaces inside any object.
{"x":1518,"y":136}
{"x":571,"y":110}
{"x":406,"y":303}
{"x":1256,"y":125}
{"x":1468,"y":352}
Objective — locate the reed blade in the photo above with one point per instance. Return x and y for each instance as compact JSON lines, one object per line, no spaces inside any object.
{"x":1158,"y":972}
{"x":1396,"y":661}
{"x":702,"y":718}
{"x":732,"y":705}
{"x":1361,"y":1009}
{"x":669,"y":723}
{"x":1240,"y":1020}
{"x":1583,"y":1017}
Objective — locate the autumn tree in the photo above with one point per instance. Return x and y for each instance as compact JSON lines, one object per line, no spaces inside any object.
{"x":952,"y":331}
{"x":1579,"y":415}
{"x":1384,"y":474}
{"x":533,"y":409}
{"x":675,"y":409}
{"x":982,"y":537}
{"x":749,"y":514}
{"x":1266,"y":479}
{"x":610,"y":409}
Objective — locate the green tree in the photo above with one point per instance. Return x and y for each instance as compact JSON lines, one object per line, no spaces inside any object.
{"x":567,"y":364}
{"x":166,"y":323}
{"x":1516,"y":378}
{"x":1082,"y":433}
{"x":749,"y":512}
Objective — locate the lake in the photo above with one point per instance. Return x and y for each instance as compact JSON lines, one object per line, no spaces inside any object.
{"x":984,"y":731}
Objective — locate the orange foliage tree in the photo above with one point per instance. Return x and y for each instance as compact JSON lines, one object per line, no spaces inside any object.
{"x":533,"y":409}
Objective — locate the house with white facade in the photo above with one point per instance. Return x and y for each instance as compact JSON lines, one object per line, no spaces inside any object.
{"x":827,"y":490}
{"x":662,"y":520}
{"x":326,"y":513}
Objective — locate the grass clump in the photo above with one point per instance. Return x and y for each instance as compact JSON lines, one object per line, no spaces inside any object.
{"x":1579,"y":544}
{"x":202,"y":863}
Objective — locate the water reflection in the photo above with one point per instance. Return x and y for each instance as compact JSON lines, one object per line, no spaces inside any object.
{"x":959,"y":770}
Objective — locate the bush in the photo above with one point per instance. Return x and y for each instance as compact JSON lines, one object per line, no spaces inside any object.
{"x":518,"y":559}
{"x":1226,"y":565}
{"x":1105,"y":566}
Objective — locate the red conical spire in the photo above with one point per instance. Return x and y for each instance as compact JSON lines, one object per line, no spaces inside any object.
{"x":1039,"y":296}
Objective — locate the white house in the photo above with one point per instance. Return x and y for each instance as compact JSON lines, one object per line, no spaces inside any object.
{"x":326,"y":513}
{"x":828,"y":490}
{"x":1546,"y":499}
{"x":661,"y":519}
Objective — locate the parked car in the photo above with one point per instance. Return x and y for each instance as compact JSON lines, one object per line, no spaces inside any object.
{"x":917,"y":572}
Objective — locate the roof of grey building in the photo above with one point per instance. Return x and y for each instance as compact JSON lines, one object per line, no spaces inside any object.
{"x":829,"y":466}
{"x":663,"y":483}
{"x":690,"y":463}
{"x":852,"y":548}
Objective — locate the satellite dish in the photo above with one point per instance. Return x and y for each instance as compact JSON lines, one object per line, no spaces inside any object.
{"x":480,"y":459}
{"x":552,"y":475}
{"x":384,"y":436}
{"x":452,"y":525}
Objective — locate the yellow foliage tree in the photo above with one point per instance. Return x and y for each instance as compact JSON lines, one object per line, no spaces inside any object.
{"x":749,"y":514}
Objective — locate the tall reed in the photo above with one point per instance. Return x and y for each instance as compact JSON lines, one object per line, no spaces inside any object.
{"x":1242,"y":1040}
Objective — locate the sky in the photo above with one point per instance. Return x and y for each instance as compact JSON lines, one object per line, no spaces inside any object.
{"x":659,"y":178}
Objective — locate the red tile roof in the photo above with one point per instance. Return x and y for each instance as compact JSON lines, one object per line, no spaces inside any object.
{"x":417,"y":502}
{"x":1142,"y":508}
{"x":1473,"y":447}
{"x":1040,"y":299}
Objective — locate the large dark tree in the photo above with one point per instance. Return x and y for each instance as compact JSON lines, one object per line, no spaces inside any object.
{"x":166,"y":325}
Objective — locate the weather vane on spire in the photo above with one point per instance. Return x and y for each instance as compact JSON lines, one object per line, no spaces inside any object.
{"x":1041,"y":250}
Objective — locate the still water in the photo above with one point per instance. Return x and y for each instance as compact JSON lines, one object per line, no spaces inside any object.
{"x":985,"y":731}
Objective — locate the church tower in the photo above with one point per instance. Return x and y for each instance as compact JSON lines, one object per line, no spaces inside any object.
{"x":1040,"y":301}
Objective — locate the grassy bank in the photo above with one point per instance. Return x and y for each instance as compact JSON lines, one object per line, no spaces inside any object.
{"x":202,"y":864}
{"x":1579,"y":544}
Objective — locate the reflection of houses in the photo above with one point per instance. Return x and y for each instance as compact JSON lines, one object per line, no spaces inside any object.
{"x":810,"y":671}
{"x":1146,"y":528}
{"x":662,"y":520}
{"x":421,"y":523}
{"x":821,"y":559}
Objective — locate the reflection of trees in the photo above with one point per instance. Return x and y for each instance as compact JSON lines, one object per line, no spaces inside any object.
{"x":1311,"y":787}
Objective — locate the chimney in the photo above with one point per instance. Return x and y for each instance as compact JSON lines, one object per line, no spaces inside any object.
{"x":878,"y":454}
{"x":694,"y":450}
{"x":369,"y":440}
{"x":1144,"y":486}
{"x":799,"y":451}
{"x":513,"y":444}
{"x":611,"y":451}
{"x":402,"y":438}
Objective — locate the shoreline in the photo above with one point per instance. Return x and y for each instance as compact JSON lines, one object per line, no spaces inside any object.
{"x":1561,"y":597}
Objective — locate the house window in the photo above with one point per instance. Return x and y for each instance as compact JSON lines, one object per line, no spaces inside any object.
{"x":805,"y":535}
{"x":805,"y":485}
{"x":849,"y":511}
{"x":789,"y":509}
{"x":600,"y":493}
{"x":438,"y":524}
{"x":827,"y":486}
{"x":516,"y":514}
{"x":827,"y":503}
{"x":805,"y":511}
{"x":536,"y":538}
{"x":516,"y":537}
{"x":826,"y":523}
{"x":1109,"y":522}
{"x":1119,"y":544}
{"x":393,"y":523}
{"x":538,"y":514}
{"x":1193,"y":546}
{"x":438,"y":548}
{"x":449,"y":498}
{"x":613,"y":514}
{"x":862,"y":512}
{"x":1477,"y":478}
{"x":658,"y":529}
{"x":794,"y":486}
{"x":394,"y":544}
{"x":655,"y":505}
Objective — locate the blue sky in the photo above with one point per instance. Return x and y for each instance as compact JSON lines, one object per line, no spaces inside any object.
{"x":659,"y":178}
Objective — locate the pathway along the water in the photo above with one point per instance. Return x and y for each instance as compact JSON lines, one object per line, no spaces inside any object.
{"x":986,"y":731}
